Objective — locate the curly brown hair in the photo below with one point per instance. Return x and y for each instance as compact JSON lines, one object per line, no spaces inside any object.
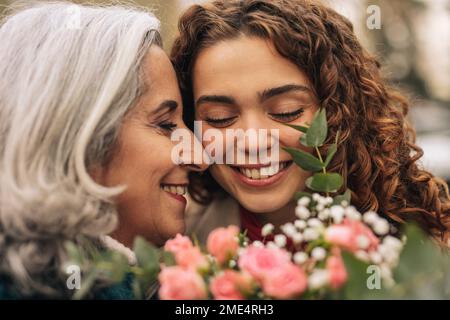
{"x":377,"y":154}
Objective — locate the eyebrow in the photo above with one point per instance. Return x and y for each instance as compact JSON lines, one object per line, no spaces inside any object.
{"x":272,"y":92}
{"x":216,"y":99}
{"x":166,"y":104}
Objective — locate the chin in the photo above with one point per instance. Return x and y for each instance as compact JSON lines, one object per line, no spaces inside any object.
{"x":262,"y":203}
{"x":172,"y":230}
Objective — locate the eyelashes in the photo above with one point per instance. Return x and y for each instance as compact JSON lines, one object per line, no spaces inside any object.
{"x":166,"y":127}
{"x":287,"y":116}
{"x":220,"y":122}
{"x":281,"y":117}
{"x":169,"y":126}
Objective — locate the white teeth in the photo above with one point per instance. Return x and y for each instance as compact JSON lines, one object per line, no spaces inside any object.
{"x":180,"y":190}
{"x":255,"y":174}
{"x":264,"y":172}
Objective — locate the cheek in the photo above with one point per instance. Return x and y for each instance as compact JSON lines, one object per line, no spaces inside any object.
{"x":290,"y":138}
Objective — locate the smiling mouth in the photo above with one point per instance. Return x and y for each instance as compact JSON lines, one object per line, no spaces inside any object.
{"x":262,"y":172}
{"x":174,"y":189}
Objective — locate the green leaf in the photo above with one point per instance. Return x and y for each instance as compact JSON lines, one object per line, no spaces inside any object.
{"x":330,"y":153}
{"x":357,"y":287}
{"x":416,"y":255}
{"x":87,"y":282}
{"x":317,"y":132}
{"x":147,"y":255}
{"x":305,"y":160}
{"x":303,"y":140}
{"x":168,"y":258}
{"x":324,"y":182}
{"x":120,"y":267}
{"x":346,"y":196}
{"x":298,"y":128}
{"x":302,"y":194}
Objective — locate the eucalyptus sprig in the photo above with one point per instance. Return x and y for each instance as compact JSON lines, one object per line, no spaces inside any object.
{"x":314,"y":136}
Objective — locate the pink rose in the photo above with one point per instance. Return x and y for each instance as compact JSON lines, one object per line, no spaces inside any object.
{"x":178,"y":243}
{"x":350,"y":234}
{"x":230,"y":285}
{"x":223,"y":243}
{"x":181,"y":284}
{"x":336,"y":270}
{"x":191,"y":258}
{"x":260,"y":262}
{"x":286,"y":282}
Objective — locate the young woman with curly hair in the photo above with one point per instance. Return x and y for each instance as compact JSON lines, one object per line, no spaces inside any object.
{"x":261,"y":64}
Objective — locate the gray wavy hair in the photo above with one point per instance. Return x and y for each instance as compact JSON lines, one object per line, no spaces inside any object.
{"x":68,"y":75}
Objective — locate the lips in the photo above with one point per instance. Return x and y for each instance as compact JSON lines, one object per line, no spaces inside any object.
{"x":257,"y":173}
{"x":260,"y":176}
{"x":176,"y":191}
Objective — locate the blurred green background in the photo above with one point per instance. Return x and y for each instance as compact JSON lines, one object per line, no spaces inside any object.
{"x":413,"y":44}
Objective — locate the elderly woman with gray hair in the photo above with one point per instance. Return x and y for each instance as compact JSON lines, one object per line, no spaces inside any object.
{"x":88,"y":101}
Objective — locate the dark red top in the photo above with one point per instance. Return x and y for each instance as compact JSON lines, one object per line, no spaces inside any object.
{"x":254,"y":227}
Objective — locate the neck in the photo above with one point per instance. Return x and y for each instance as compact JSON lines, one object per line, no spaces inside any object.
{"x":278,"y":217}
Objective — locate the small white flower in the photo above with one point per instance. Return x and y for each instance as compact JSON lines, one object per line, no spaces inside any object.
{"x":300,"y":224}
{"x":328,"y":200}
{"x":370,"y":217}
{"x":271,"y":245}
{"x":337,"y":213}
{"x":381,"y":227}
{"x":300,"y":257}
{"x":310,"y":234}
{"x":315,"y":223}
{"x":232,"y":263}
{"x":375,"y":257}
{"x":297,"y":237}
{"x":267,"y":229}
{"x":320,"y":207}
{"x":344,"y":203}
{"x":318,"y":279}
{"x":389,"y":256}
{"x":258,"y":244}
{"x":363,"y":242}
{"x":393,"y":243}
{"x":280,"y":240}
{"x":302,"y":213}
{"x":324,"y":214}
{"x":319,"y":253}
{"x":304,"y":201}
{"x":289,"y":229}
{"x":352,"y":213}
{"x":316,"y":197}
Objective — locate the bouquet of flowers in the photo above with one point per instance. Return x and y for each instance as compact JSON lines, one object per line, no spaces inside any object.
{"x":330,"y":251}
{"x":304,"y":259}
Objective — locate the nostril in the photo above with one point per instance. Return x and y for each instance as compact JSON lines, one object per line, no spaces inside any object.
{"x":195,"y":167}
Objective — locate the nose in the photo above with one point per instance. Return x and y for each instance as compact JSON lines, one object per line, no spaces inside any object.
{"x":193,"y":158}
{"x":261,"y":137}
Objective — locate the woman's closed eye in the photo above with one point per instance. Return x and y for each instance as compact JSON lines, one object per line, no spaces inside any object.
{"x":287,"y":116}
{"x":167,"y":126}
{"x":220,"y":122}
